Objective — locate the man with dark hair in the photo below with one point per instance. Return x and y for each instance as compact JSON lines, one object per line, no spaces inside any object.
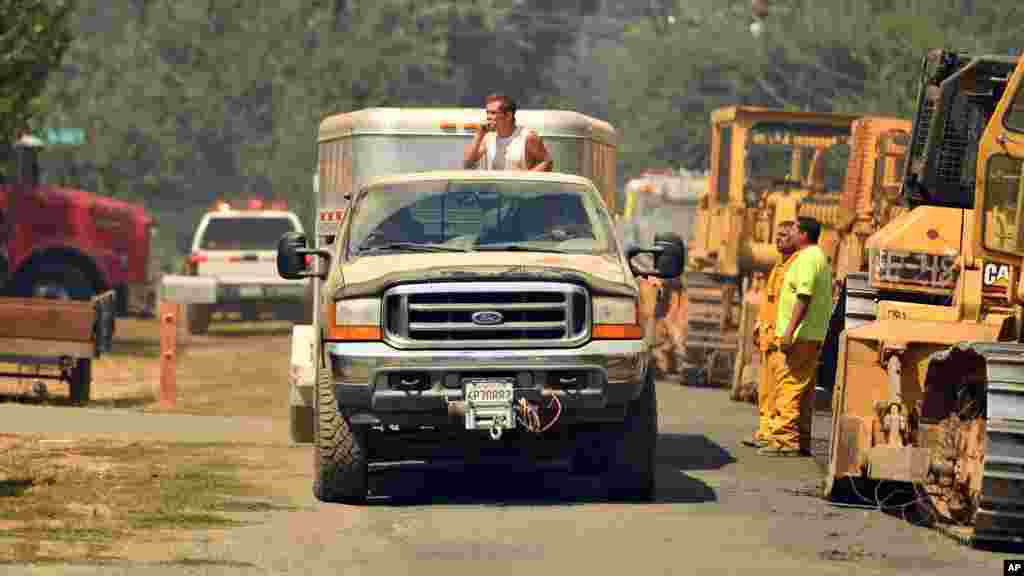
{"x":804,"y":308}
{"x":500,"y":144}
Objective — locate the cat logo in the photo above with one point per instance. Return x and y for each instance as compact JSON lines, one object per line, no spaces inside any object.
{"x":996,"y":275}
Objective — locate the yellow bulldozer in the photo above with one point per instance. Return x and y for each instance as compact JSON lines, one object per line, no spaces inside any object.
{"x":870,"y":198}
{"x":929,"y":386}
{"x":764,"y":163}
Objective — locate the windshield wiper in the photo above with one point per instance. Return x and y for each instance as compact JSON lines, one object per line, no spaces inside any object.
{"x":517,"y":247}
{"x":413,"y":246}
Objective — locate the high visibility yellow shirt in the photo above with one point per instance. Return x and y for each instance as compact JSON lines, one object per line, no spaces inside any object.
{"x":810,"y":274}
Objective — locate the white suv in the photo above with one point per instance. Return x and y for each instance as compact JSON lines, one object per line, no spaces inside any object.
{"x":238,"y":248}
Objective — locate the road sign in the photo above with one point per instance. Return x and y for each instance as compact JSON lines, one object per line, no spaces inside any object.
{"x":71,"y":136}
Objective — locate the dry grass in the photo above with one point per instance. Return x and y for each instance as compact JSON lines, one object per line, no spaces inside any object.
{"x":103,"y":500}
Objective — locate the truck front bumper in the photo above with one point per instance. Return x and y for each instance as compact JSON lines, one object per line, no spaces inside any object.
{"x":238,"y":291}
{"x":378,"y":378}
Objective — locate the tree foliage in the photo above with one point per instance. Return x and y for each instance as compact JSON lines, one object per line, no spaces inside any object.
{"x":33,"y":39}
{"x":187,"y":101}
{"x":842,"y":56}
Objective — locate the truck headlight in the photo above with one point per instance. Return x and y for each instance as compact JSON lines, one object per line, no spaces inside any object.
{"x":357,"y":319}
{"x":616,"y":319}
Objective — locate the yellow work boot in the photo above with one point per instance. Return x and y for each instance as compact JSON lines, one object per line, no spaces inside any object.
{"x":778,"y":451}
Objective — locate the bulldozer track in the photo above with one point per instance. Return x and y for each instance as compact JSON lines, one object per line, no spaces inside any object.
{"x":708,"y":341}
{"x":1000,"y":514}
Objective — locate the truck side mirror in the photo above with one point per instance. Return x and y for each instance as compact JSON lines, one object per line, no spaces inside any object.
{"x":666,"y":257}
{"x":291,"y":257}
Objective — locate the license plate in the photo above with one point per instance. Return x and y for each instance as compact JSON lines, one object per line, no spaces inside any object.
{"x":250,"y":291}
{"x":489,"y":404}
{"x":489,"y":392}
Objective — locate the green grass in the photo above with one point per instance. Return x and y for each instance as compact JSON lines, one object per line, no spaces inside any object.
{"x":191,"y":497}
{"x":62,"y":534}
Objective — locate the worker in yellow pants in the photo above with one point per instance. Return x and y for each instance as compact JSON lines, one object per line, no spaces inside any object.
{"x":805,"y":306}
{"x":764,"y":330}
{"x":794,"y":372}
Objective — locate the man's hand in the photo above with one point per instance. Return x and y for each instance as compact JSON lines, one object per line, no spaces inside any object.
{"x":474,"y":150}
{"x":787,"y":341}
{"x":537,"y":157}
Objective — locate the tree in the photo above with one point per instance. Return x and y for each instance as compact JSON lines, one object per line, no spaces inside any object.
{"x":33,"y":39}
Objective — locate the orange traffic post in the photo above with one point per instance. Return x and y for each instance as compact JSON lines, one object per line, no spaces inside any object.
{"x":168,"y":353}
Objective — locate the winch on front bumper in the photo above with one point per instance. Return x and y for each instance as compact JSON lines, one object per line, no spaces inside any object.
{"x":377,"y":384}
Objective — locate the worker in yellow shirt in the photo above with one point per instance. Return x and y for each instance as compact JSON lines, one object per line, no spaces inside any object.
{"x":805,"y":305}
{"x":764,"y":330}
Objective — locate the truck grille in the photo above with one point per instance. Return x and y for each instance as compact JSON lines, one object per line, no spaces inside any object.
{"x":487,"y":315}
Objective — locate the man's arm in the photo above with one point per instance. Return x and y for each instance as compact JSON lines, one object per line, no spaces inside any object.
{"x":799,"y":311}
{"x":537,"y":157}
{"x":474,"y":150}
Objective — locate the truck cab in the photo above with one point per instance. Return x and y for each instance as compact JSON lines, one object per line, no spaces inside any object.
{"x":63,"y":242}
{"x":464,"y":311}
{"x":236,"y":246}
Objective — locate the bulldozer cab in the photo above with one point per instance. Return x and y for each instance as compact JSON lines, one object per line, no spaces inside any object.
{"x":1000,"y":184}
{"x":758,"y":150}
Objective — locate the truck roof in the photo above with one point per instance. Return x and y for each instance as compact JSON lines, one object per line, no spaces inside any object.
{"x":522,"y":175}
{"x":552,"y":123}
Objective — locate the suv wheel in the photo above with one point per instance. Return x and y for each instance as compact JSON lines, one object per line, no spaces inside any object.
{"x":198,"y":316}
{"x":340,"y":452}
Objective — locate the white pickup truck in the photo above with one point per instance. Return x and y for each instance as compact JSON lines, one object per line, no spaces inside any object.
{"x":237,"y":249}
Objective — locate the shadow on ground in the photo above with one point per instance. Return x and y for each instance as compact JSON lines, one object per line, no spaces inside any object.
{"x":512,"y":484}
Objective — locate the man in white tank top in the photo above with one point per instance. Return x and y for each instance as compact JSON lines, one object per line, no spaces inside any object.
{"x":501,"y":145}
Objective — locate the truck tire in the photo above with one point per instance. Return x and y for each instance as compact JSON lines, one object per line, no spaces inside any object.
{"x":54,"y":278}
{"x":626,"y":454}
{"x":633,"y":450}
{"x":300,"y":423}
{"x":198,"y":318}
{"x":80,"y":382}
{"x":340,"y":451}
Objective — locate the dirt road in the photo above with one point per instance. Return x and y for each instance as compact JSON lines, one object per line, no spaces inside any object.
{"x":720,"y":507}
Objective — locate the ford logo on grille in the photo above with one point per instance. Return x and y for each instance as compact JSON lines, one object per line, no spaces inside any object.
{"x":487,"y":318}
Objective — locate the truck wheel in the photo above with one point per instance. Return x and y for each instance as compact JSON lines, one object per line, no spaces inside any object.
{"x":340,"y":452}
{"x":633,"y":449}
{"x":55,"y":279}
{"x":80,"y":381}
{"x":625,"y":455}
{"x":198,"y":318}
{"x":300,"y":422}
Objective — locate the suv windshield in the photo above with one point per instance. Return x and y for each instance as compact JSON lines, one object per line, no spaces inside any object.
{"x":227,"y":233}
{"x":443,"y":215}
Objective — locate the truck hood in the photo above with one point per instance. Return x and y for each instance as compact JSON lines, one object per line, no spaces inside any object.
{"x":371,"y":275}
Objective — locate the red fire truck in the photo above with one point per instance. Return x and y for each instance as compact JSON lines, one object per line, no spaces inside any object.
{"x":65,"y":243}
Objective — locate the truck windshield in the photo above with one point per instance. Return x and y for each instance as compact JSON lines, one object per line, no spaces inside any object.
{"x":478,"y":215}
{"x":226,"y":233}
